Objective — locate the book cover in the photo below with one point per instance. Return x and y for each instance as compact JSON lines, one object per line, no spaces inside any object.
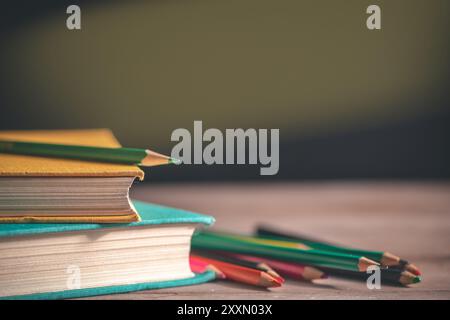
{"x":13,"y":165}
{"x":151,"y":214}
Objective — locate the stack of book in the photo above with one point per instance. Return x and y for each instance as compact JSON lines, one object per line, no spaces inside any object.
{"x":69,"y":229}
{"x":67,"y":225}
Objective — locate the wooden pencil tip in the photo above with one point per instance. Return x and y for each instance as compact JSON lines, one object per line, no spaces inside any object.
{"x":268,"y":281}
{"x":413,"y":269}
{"x":364,"y":263}
{"x":407,"y":278}
{"x":279,"y":279}
{"x":389,"y":259}
{"x":270,"y":271}
{"x":311,"y":273}
{"x":154,"y":159}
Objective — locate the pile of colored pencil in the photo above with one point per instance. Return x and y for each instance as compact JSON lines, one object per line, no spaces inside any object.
{"x":266,"y":257}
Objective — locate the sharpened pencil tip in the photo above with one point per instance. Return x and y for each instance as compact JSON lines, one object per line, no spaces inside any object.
{"x":311,"y":273}
{"x":279,"y":279}
{"x":413,"y":269}
{"x":364,"y":263}
{"x":268,"y":281}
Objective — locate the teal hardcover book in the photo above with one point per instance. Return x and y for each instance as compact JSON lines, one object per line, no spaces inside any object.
{"x":57,"y":261}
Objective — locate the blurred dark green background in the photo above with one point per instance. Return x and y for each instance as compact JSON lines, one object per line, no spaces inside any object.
{"x":349,"y":102}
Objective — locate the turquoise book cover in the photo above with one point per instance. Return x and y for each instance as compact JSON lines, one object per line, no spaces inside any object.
{"x":151,"y":214}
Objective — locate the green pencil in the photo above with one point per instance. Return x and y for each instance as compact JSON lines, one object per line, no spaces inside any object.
{"x":385,"y":258}
{"x":211,"y":241}
{"x":142,"y":157}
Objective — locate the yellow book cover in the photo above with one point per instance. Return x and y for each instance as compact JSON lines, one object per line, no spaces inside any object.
{"x":22,"y":166}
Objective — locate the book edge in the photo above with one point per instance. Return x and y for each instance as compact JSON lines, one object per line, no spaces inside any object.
{"x":97,"y":291}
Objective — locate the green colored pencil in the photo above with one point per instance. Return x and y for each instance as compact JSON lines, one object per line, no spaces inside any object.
{"x":211,"y":241}
{"x":385,"y":258}
{"x":142,"y":157}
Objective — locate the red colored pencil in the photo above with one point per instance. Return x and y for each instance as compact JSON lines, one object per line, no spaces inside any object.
{"x":224,"y":257}
{"x":288,"y":269}
{"x":242,"y":274}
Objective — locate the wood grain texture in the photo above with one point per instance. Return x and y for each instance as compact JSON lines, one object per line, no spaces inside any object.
{"x":408,"y":219}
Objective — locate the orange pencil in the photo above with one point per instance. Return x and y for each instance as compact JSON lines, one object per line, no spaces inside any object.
{"x":242,"y":274}
{"x":199,"y":266}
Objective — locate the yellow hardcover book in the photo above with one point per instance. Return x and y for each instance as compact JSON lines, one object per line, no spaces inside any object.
{"x":49,"y":190}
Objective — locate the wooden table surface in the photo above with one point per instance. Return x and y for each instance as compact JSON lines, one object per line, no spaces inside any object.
{"x":408,"y":219}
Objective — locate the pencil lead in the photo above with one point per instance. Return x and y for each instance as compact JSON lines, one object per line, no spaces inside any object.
{"x":175,"y":161}
{"x":278,"y":278}
{"x":417,"y":279}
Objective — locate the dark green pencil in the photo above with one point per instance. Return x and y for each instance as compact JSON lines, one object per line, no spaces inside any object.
{"x":385,"y":258}
{"x":141,"y":157}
